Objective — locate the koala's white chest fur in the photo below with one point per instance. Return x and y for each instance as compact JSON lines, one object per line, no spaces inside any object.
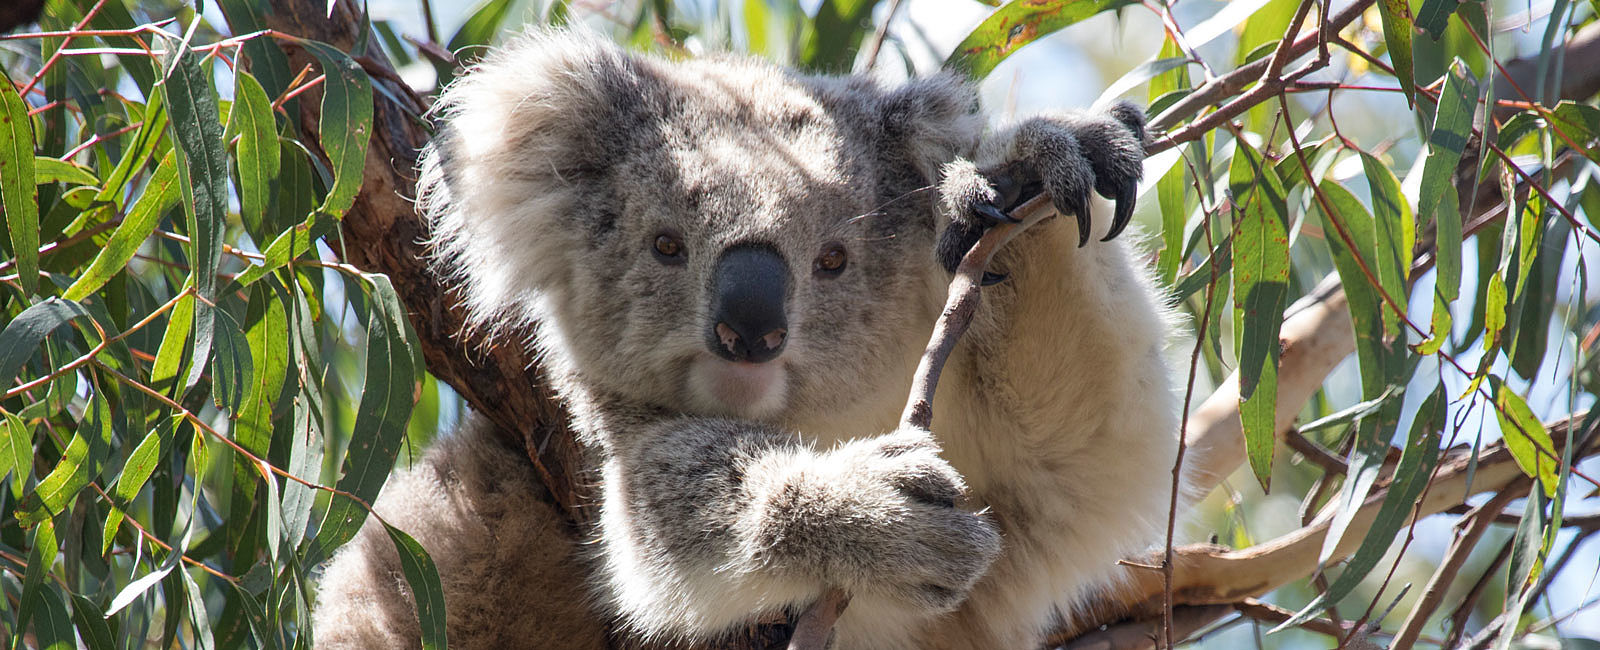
{"x":1057,"y":409}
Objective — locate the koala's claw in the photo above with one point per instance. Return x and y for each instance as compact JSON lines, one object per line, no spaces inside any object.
{"x":1067,"y":156}
{"x":1124,"y":197}
{"x":996,"y":215}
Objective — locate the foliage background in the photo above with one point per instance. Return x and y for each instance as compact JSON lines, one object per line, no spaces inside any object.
{"x":201,"y":394}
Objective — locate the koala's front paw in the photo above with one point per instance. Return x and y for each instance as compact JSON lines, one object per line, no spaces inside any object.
{"x":1064,"y":156}
{"x":879,"y":515}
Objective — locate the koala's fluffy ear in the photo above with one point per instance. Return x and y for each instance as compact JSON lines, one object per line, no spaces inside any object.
{"x":510,"y":168}
{"x":932,"y":121}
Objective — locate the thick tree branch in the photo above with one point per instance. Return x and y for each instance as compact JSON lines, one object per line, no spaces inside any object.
{"x":1208,"y":575}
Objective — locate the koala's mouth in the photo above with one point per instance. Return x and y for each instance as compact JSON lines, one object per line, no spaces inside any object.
{"x":738,"y":388}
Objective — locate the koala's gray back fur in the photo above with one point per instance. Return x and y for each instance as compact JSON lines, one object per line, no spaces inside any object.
{"x":562,"y":157}
{"x":481,"y":513}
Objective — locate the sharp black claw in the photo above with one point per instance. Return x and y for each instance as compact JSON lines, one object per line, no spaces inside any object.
{"x":1083,"y":225}
{"x":991,"y":279}
{"x":1124,"y":211}
{"x":995,"y":214}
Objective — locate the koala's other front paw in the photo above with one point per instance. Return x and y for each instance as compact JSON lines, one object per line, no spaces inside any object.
{"x":1064,"y":156}
{"x":880,"y":515}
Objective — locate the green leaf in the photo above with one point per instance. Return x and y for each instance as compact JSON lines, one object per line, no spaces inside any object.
{"x":1526,"y":438}
{"x":1417,"y":462}
{"x":1395,"y":238}
{"x":170,"y":356}
{"x":144,"y":145}
{"x":200,"y":621}
{"x":136,"y":472}
{"x":202,"y":178}
{"x":143,"y":583}
{"x":386,"y":400}
{"x":345,"y":126}
{"x":24,"y":333}
{"x":1352,"y":235}
{"x":481,"y":26}
{"x":1260,"y":286}
{"x":16,"y":451}
{"x":160,"y":194}
{"x":52,"y":624}
{"x":91,"y":625}
{"x":267,"y":336}
{"x":1434,"y":16}
{"x":424,"y":580}
{"x":258,"y":151}
{"x":19,"y":193}
{"x":1397,"y":28}
{"x":49,"y":170}
{"x":1016,"y":24}
{"x":835,"y":34}
{"x":80,"y":464}
{"x":1436,"y":198}
{"x":41,"y":556}
{"x":231,"y":369}
{"x":344,"y":131}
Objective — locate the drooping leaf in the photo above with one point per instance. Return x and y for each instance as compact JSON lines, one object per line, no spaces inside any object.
{"x":1446,"y":142}
{"x":144,"y":145}
{"x":1394,"y":237}
{"x":1016,"y":24}
{"x":41,"y":556}
{"x":91,"y":625}
{"x":19,"y":195}
{"x":202,"y":165}
{"x":16,"y":451}
{"x":1527,"y":439}
{"x":423,"y":577}
{"x":386,"y":400}
{"x":1260,"y":287}
{"x":267,"y":335}
{"x":1417,"y":462}
{"x":258,"y":151}
{"x":135,"y":473}
{"x":346,"y":124}
{"x":231,"y":369}
{"x":52,"y":623}
{"x":1352,"y":235}
{"x":1397,"y":28}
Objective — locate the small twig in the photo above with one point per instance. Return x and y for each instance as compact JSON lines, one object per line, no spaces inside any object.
{"x":1462,"y":547}
{"x":811,"y":632}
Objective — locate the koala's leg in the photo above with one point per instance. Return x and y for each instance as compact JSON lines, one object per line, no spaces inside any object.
{"x":707,"y":522}
{"x":509,"y":567}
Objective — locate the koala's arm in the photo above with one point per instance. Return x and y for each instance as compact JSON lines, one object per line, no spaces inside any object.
{"x":707,"y":520}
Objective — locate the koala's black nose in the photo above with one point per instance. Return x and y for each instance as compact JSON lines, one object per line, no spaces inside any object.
{"x":747,"y":314}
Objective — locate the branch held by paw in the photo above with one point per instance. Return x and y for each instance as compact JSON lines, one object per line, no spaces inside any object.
{"x":815,"y":626}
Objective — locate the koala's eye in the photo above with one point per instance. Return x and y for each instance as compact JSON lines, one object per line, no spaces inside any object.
{"x":668,"y":248}
{"x":832,"y":260}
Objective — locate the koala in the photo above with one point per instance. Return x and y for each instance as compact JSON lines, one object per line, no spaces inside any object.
{"x":729,"y":271}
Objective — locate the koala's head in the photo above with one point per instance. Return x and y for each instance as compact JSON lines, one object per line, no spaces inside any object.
{"x":716,"y":237}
